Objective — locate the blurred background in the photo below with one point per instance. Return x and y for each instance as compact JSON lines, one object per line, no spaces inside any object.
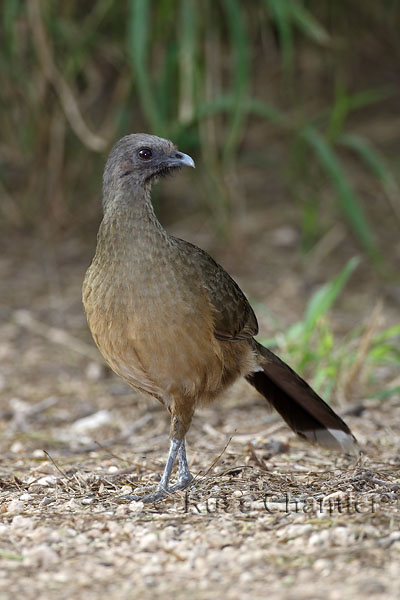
{"x":290,"y":109}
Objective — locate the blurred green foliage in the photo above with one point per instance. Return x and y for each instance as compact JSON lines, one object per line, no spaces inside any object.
{"x":340,"y":367}
{"x":78,"y":75}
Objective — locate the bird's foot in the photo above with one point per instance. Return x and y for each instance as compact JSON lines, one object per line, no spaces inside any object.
{"x":161,"y":491}
{"x":158,"y":494}
{"x":182,"y":482}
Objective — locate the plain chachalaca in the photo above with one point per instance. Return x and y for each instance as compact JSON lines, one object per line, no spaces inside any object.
{"x":172,"y":323}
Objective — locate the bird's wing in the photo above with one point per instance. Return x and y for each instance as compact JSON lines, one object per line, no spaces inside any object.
{"x":234,"y":318}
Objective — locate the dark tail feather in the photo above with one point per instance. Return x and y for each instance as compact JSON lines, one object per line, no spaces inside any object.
{"x":297,"y":403}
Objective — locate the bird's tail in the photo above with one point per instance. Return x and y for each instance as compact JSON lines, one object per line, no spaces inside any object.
{"x":297,"y":403}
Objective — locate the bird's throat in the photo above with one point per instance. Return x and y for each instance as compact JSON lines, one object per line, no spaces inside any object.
{"x":131,"y":235}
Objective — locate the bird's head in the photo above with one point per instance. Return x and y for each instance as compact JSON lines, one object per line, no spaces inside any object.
{"x":137,"y":160}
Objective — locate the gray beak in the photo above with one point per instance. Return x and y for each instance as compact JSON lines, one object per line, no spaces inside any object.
{"x":185,"y":160}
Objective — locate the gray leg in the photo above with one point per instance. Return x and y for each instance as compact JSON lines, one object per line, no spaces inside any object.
{"x":174,"y":448}
{"x":184,"y":476}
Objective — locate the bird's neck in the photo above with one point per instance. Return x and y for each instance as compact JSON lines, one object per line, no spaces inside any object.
{"x":131,"y":227}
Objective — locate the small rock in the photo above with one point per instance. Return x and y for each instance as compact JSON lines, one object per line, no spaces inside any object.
{"x":48,"y":481}
{"x":293,"y":531}
{"x":342,"y":536}
{"x":98,"y":419}
{"x":149,"y":542}
{"x":17,"y":447}
{"x":246,"y":577}
{"x":136,"y":506}
{"x":15,"y":506}
{"x":70,"y":505}
{"x":87,"y":501}
{"x":149,"y":569}
{"x":20,"y":522}
{"x":323,"y":565}
{"x":95,"y":371}
{"x":122,"y":510}
{"x":25,"y":497}
{"x":38,"y":453}
{"x":372,"y":586}
{"x":40,"y":556}
{"x":46,"y":501}
{"x":81,"y":538}
{"x":318,"y":538}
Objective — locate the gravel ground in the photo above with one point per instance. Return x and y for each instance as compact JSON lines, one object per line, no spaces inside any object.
{"x":267,"y":515}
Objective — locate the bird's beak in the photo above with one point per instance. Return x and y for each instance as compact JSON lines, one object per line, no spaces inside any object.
{"x":183,"y":160}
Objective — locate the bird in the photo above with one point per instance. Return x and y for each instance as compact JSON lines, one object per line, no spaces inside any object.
{"x":172,"y":323}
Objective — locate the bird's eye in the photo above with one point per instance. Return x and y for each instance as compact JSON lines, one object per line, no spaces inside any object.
{"x":145,"y":153}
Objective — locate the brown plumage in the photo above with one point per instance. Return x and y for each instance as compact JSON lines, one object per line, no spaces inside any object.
{"x":171,"y":322}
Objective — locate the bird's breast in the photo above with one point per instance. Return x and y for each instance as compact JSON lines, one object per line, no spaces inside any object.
{"x":154,"y":325}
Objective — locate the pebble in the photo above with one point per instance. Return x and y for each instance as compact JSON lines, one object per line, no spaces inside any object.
{"x":48,"y":480}
{"x":15,"y":506}
{"x":323,"y":565}
{"x":25,"y":497}
{"x":87,"y":501}
{"x":372,"y":586}
{"x":95,"y":371}
{"x":70,"y":505}
{"x":17,"y":447}
{"x":337,"y":536}
{"x":38,"y":453}
{"x":122,"y":510}
{"x":293,"y":531}
{"x":40,"y":556}
{"x":20,"y":522}
{"x":97,"y":419}
{"x":136,"y":506}
{"x":149,"y":542}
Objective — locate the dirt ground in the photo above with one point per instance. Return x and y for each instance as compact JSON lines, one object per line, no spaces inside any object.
{"x":267,"y":516}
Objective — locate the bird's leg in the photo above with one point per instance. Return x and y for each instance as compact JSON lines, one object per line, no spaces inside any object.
{"x":174,"y":448}
{"x":163,"y":488}
{"x":184,"y":475}
{"x":179,"y":426}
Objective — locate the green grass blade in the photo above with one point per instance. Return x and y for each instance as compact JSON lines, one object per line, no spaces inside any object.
{"x":387,"y":334}
{"x":339,"y":112}
{"x":377,"y":165}
{"x":325,"y":297}
{"x":236,"y":19}
{"x":187,"y":58}
{"x":308,"y":25}
{"x":11,"y":555}
{"x":10,"y":12}
{"x":226,"y":103}
{"x":371,"y":96}
{"x":138,"y":42}
{"x":166,"y":88}
{"x":347,"y":197}
{"x":386,"y":393}
{"x":281,"y":15}
{"x":267,"y":111}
